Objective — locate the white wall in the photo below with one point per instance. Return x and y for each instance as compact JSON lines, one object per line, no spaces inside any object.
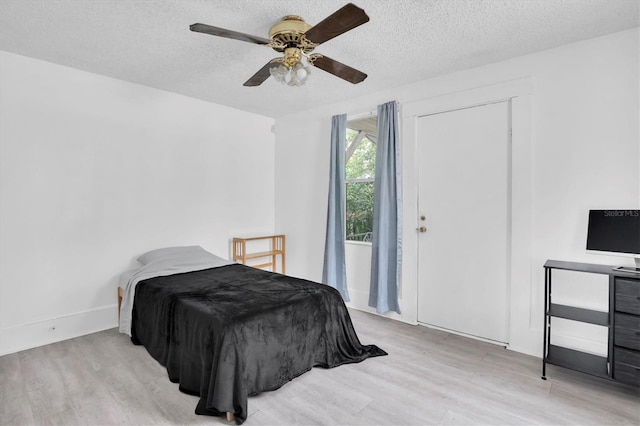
{"x":95,"y":171}
{"x":583,"y":152}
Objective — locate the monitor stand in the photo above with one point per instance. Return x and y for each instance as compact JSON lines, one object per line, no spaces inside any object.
{"x":632,"y":270}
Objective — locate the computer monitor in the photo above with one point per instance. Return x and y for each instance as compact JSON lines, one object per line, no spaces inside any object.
{"x":615,"y":232}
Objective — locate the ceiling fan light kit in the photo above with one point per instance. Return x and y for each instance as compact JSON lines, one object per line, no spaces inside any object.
{"x":295,"y":75}
{"x":296,"y":39}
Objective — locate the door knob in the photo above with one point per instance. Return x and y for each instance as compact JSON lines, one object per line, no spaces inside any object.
{"x":422,"y":229}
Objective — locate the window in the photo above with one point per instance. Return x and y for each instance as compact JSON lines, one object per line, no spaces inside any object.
{"x":360,"y":167}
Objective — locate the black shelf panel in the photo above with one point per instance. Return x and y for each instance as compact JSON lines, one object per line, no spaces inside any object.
{"x":577,"y":360}
{"x":579,"y":314}
{"x":588,"y":267}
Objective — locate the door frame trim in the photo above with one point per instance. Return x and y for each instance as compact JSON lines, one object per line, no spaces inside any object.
{"x":519,"y":92}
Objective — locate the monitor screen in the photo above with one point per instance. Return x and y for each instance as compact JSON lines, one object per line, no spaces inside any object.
{"x":616,"y":231}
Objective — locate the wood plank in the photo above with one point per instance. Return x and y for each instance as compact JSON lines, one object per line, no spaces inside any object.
{"x":44,"y":387}
{"x":429,"y":377}
{"x":14,"y":406}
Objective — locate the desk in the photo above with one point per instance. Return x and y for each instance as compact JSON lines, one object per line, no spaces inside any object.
{"x":622,"y":362}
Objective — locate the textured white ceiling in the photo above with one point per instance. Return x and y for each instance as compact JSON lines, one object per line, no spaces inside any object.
{"x":148,"y":41}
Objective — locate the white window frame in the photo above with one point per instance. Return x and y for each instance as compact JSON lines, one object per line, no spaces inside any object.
{"x":348,"y":154}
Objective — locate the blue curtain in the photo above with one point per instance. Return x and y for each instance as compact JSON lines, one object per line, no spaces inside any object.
{"x":334,"y":272}
{"x":386,"y":256}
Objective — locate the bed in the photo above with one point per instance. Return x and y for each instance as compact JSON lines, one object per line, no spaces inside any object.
{"x":226,"y":331}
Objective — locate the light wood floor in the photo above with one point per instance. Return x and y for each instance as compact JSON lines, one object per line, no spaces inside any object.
{"x":429,"y":377}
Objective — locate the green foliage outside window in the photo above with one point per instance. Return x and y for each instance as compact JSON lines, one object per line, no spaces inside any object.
{"x":359,"y":211}
{"x":360,"y":172}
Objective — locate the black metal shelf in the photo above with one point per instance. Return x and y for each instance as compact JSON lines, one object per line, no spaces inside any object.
{"x":621,"y":321}
{"x":577,"y":360}
{"x":579,"y":314}
{"x":589,"y":268}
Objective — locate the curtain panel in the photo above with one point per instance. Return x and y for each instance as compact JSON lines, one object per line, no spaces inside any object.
{"x":386,"y":254}
{"x":334,"y":271}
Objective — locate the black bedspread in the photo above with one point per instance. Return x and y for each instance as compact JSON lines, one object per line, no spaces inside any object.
{"x":231,"y":332}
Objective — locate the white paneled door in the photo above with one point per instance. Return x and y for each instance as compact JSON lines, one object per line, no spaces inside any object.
{"x":464,"y":177}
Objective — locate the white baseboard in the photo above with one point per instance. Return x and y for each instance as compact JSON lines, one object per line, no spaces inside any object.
{"x":528,"y":347}
{"x":596,"y":347}
{"x":39,"y":333}
{"x":469,"y":336}
{"x":531,"y":344}
{"x":360,"y":301}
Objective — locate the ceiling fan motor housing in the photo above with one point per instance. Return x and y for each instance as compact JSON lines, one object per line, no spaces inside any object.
{"x":289,"y":33}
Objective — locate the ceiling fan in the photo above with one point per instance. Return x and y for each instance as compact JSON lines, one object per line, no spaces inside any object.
{"x":296,"y":39}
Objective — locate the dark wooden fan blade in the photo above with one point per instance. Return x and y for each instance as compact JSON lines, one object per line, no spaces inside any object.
{"x":263,"y":73}
{"x":338,"y":69}
{"x":221,"y":32}
{"x":341,"y":21}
